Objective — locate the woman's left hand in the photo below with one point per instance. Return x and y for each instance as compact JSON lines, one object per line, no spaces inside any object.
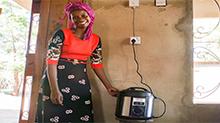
{"x":113,"y":91}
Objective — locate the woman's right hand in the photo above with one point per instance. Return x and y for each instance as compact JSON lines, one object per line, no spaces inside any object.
{"x":56,"y":97}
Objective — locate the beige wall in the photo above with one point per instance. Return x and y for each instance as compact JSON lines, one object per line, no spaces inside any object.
{"x":164,"y":55}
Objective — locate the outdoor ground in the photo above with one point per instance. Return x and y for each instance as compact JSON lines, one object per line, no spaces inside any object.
{"x":9,"y":108}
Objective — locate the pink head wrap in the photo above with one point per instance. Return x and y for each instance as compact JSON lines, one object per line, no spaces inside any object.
{"x":69,"y":7}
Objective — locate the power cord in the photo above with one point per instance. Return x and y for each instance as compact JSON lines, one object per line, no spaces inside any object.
{"x":137,"y":70}
{"x":135,"y":57}
{"x":137,"y":66}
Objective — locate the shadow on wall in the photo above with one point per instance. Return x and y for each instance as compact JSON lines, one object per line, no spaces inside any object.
{"x":104,"y":104}
{"x":96,"y":98}
{"x":96,"y":85}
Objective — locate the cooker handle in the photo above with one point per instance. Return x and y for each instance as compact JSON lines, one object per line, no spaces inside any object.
{"x":165,"y":107}
{"x":138,"y":88}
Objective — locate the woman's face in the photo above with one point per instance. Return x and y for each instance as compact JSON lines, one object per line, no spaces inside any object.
{"x":80,"y":18}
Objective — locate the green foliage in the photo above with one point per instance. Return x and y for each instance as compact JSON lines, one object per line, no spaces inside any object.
{"x":14,"y":22}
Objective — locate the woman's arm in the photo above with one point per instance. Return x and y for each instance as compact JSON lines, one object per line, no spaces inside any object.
{"x":102,"y":76}
{"x":53,"y":54}
{"x":55,"y":95}
{"x":96,"y":59}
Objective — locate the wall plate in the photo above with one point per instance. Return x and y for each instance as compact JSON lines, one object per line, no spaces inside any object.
{"x":136,"y":38}
{"x":160,"y":3}
{"x":133,"y":3}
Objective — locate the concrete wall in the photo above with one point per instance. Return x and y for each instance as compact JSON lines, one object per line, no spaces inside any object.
{"x":164,"y":56}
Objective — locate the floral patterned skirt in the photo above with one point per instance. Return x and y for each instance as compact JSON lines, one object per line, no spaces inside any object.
{"x":77,"y":104}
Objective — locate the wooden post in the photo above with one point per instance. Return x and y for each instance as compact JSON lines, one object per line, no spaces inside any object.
{"x":39,"y":57}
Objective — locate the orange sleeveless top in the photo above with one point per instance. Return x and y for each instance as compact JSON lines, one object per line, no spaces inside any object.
{"x":64,"y":44}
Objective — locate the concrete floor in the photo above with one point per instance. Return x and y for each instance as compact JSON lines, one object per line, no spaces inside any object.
{"x":9,"y":108}
{"x":9,"y":116}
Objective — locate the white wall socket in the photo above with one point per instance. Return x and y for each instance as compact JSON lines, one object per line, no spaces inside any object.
{"x":136,"y":38}
{"x":133,"y":3}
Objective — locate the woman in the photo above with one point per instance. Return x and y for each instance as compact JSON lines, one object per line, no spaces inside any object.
{"x":66,"y":92}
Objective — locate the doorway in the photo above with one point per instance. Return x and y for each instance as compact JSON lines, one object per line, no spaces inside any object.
{"x":18,"y":32}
